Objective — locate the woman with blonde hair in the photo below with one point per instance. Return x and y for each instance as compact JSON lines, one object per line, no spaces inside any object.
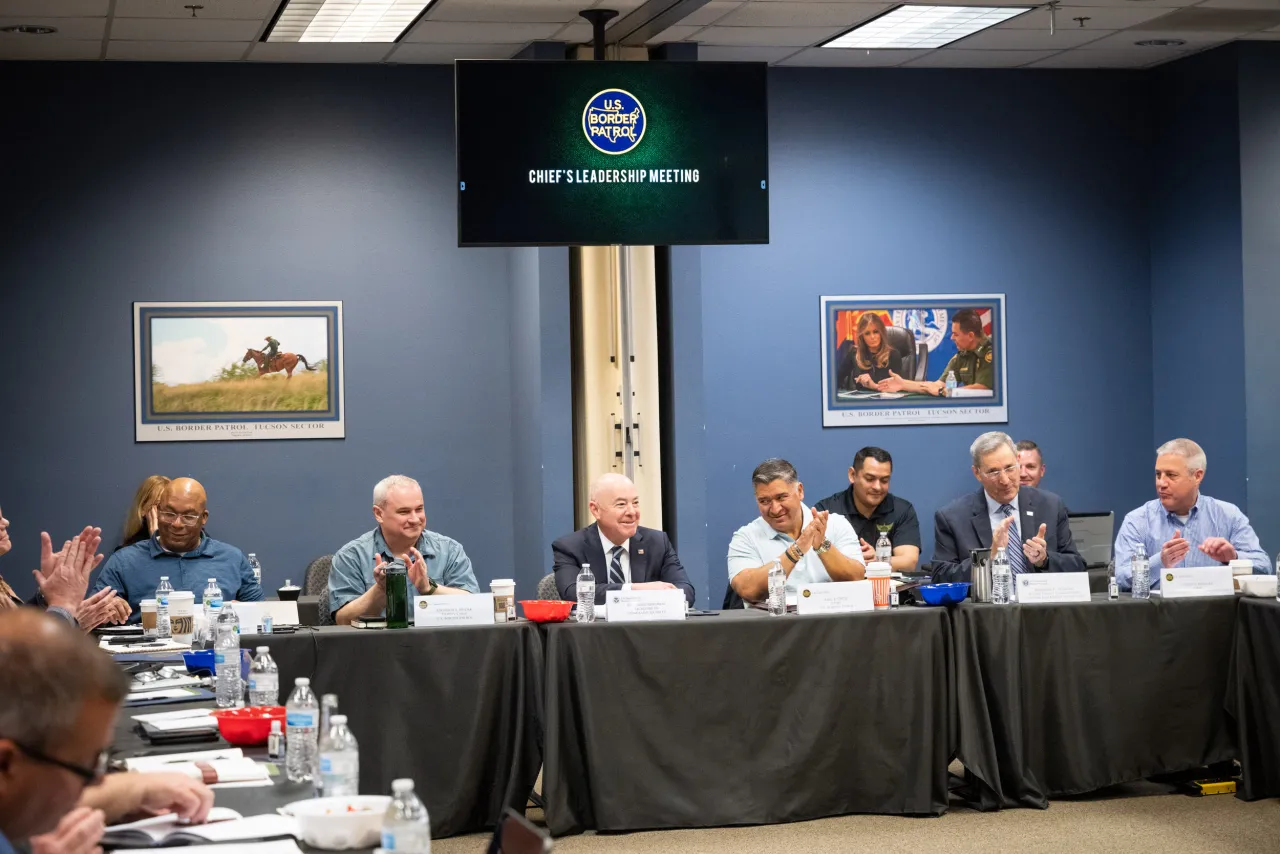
{"x":874,"y":357}
{"x":140,"y":523}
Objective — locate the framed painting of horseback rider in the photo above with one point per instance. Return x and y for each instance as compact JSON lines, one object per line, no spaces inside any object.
{"x":208,"y":371}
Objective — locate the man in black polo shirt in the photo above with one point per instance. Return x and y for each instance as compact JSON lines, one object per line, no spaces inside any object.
{"x":870,"y":509}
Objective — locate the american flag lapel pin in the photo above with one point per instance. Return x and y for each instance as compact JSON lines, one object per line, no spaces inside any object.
{"x":639,"y":551}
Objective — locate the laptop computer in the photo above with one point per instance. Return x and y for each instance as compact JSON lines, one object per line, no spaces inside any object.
{"x":1093,"y":534}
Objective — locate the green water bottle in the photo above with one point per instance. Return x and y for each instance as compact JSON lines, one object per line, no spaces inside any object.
{"x":397,"y":595}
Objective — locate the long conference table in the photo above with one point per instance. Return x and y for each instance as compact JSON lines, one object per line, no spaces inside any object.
{"x":739,"y":718}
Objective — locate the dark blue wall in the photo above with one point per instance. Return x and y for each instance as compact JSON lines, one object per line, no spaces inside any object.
{"x":1197,"y":301}
{"x":188,"y":182}
{"x":905,"y":182}
{"x":1260,"y":205}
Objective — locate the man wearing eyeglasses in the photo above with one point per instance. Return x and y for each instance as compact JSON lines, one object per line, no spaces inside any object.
{"x":1030,"y":523}
{"x":56,"y":724}
{"x":181,"y":550}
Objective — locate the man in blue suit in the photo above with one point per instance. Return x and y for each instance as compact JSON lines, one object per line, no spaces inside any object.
{"x":623,"y":555}
{"x":999,"y":514}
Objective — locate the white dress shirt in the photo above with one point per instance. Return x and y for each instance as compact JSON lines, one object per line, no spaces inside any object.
{"x":624,"y":559}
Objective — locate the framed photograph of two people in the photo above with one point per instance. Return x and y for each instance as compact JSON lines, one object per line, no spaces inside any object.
{"x":915,"y":359}
{"x":208,"y":371}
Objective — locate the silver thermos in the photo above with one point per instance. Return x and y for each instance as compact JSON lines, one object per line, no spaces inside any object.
{"x":980,"y":579}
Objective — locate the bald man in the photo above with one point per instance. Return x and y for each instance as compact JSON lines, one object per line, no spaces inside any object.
{"x":181,"y":550}
{"x":623,"y":555}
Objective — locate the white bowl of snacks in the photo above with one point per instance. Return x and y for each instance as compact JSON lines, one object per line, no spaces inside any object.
{"x":341,"y":823}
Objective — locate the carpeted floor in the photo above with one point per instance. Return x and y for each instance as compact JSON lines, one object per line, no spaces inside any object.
{"x":1139,"y":819}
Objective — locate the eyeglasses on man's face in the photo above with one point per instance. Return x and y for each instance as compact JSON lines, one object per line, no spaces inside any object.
{"x":187,"y":518}
{"x":996,"y":474}
{"x":88,"y":775}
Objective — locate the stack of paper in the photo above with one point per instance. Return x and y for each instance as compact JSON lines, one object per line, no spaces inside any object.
{"x":185,"y":719}
{"x":282,"y":846}
{"x":217,"y":768}
{"x":222,"y":825}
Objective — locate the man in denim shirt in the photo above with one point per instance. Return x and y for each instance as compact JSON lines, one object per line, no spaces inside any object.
{"x":182,"y":551}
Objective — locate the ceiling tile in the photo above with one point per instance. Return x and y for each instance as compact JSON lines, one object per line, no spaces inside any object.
{"x":674,"y":34}
{"x":953,"y":58}
{"x":850,"y":58}
{"x":1136,"y":58}
{"x":443,"y":54}
{"x":36,"y":48}
{"x":1241,"y":4}
{"x":67,"y":28}
{"x":319,"y":52}
{"x":55,"y":8}
{"x":185,"y":29}
{"x":166,"y":51}
{"x":574,"y":33}
{"x":997,"y":39}
{"x":506,"y":11}
{"x":801,"y":14}
{"x":451,"y":32}
{"x":710,"y":13}
{"x":1100,"y":17}
{"x":259,"y":10}
{"x":1145,"y":4}
{"x":742,"y":53}
{"x":1126,"y":38}
{"x":768,"y":36}
{"x":1261,"y":37}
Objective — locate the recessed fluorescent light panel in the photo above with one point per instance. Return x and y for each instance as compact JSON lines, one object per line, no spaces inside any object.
{"x":345,"y":20}
{"x":923,"y":27}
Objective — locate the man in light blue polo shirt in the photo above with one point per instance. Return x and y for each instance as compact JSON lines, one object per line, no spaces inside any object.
{"x":1181,"y":527}
{"x":437,"y":565}
{"x":182,"y":551}
{"x":813,"y":547}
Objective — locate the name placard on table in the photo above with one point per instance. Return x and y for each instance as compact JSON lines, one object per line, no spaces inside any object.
{"x":636,"y":606}
{"x":835,"y":597}
{"x":1180,"y":582}
{"x":1036,"y":587}
{"x":475,"y":609}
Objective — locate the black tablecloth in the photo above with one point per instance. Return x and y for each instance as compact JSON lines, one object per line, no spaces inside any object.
{"x":453,"y":708}
{"x":1254,"y":700}
{"x":743,"y":718}
{"x":1065,"y":699}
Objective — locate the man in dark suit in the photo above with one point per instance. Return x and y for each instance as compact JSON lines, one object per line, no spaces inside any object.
{"x":1002,"y":513}
{"x":623,"y":555}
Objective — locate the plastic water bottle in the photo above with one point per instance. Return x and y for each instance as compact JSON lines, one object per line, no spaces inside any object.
{"x":228,"y":608}
{"x":339,"y":761}
{"x":951,"y":383}
{"x":264,"y":679}
{"x":777,"y":589}
{"x":256,"y":566}
{"x":1113,"y":589}
{"x":212,"y":598}
{"x":328,"y":708}
{"x":884,"y":548}
{"x":1001,"y":579}
{"x":226,"y":662}
{"x":406,"y":828}
{"x":586,"y":598}
{"x":1141,"y":573}
{"x":275,"y":743}
{"x":301,"y":718}
{"x":163,"y":628}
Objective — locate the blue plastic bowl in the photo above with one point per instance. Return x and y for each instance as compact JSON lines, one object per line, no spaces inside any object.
{"x":199,"y":661}
{"x":945,"y":594}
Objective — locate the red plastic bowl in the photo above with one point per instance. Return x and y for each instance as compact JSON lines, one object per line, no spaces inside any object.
{"x":546,"y":610}
{"x":249,"y":726}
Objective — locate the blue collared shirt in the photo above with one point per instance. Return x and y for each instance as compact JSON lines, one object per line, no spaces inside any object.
{"x":135,"y":570}
{"x":1153,"y":526}
{"x":352,"y":573}
{"x":757,"y":543}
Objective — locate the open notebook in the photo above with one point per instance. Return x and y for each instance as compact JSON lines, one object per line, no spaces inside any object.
{"x":223,"y":825}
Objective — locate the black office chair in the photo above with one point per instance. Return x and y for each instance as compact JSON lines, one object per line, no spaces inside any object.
{"x":915,"y":359}
{"x":315,"y":586}
{"x":547,"y":587}
{"x":731,"y":600}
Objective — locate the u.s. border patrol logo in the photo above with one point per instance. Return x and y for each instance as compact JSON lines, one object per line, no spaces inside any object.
{"x":613,"y":121}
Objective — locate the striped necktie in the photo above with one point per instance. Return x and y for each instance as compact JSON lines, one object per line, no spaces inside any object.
{"x":615,"y":566}
{"x":1017,"y":560}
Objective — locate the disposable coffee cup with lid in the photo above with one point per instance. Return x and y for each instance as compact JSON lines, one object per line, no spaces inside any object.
{"x":1241,"y":567}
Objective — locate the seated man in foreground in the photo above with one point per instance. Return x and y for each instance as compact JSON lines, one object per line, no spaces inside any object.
{"x":871,"y":509}
{"x":813,"y":546}
{"x":437,"y":565}
{"x":1002,"y":515}
{"x":1182,"y":527}
{"x":623,"y":555}
{"x":182,"y":551}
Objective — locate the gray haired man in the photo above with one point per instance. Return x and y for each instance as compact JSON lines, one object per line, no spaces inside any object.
{"x":437,"y":564}
{"x":1030,"y":523}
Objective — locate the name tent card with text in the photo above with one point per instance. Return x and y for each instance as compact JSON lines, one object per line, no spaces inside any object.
{"x":475,"y":609}
{"x":835,"y":597}
{"x":1036,"y":587}
{"x":1180,"y":582}
{"x":636,"y":606}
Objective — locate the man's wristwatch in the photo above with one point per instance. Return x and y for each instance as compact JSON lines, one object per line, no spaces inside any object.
{"x":432,"y":589}
{"x":824,"y":548}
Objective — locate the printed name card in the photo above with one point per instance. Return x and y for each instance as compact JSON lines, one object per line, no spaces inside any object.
{"x":638,"y":606}
{"x":835,"y":597}
{"x":475,"y":609}
{"x":1181,"y":582}
{"x":1036,"y":587}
